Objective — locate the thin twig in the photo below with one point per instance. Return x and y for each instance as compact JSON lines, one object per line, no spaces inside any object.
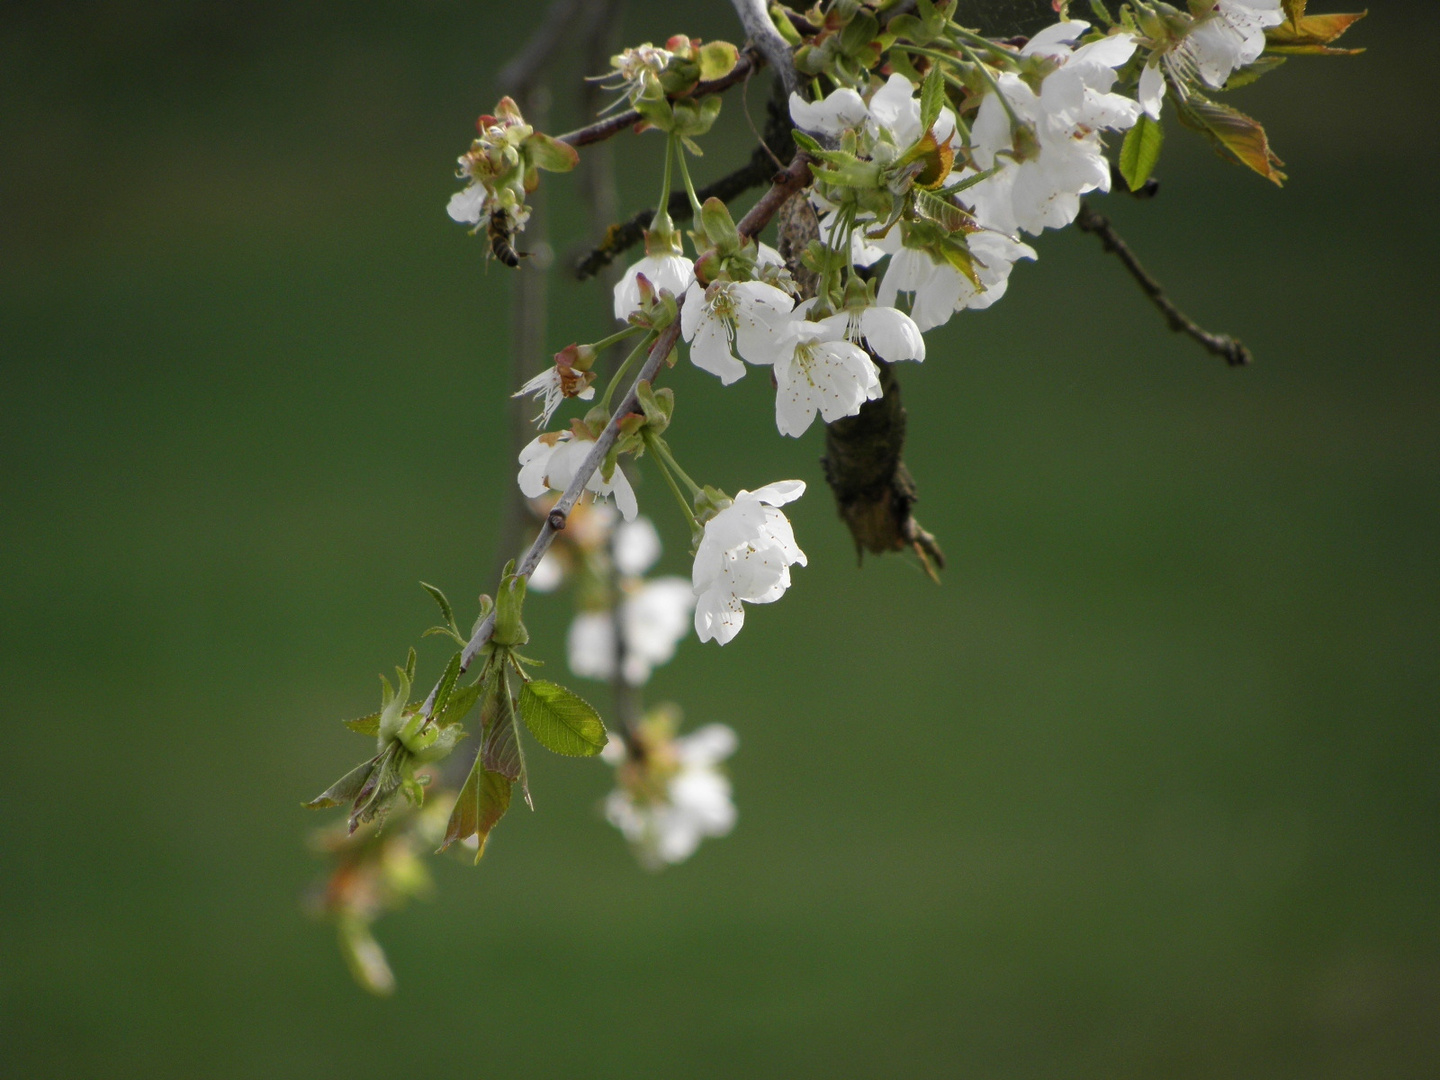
{"x":755,"y":17}
{"x":747,"y":65}
{"x":1222,"y":345}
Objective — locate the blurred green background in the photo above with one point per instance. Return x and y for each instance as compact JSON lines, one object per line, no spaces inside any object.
{"x":1148,"y":787}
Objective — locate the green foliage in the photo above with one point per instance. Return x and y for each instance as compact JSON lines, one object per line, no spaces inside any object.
{"x":1140,"y":151}
{"x":561,"y":720}
{"x":1234,"y":135}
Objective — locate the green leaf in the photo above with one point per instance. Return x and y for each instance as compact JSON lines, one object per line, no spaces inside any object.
{"x":409,"y":668}
{"x":446,"y":685}
{"x":561,"y":720}
{"x":365,"y":725}
{"x":482,"y":803}
{"x":932,"y":97}
{"x":345,"y":789}
{"x":1234,"y":135}
{"x":460,"y":703}
{"x":446,"y":611}
{"x":501,"y":751}
{"x":1140,"y":151}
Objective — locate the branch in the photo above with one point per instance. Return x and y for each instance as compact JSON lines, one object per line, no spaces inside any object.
{"x":748,"y":64}
{"x":760,"y":169}
{"x":755,"y":17}
{"x":1223,"y":345}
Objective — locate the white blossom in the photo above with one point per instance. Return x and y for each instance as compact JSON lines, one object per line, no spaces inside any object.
{"x":1229,"y":36}
{"x":817,"y":369}
{"x":550,"y":461}
{"x":672,"y":272}
{"x":554,"y":385}
{"x":728,"y":315}
{"x":1057,"y":156}
{"x":841,"y":110}
{"x":891,"y":334}
{"x":696,"y":803}
{"x":548,"y":575}
{"x":1151,"y":92}
{"x":635,"y":546}
{"x":940,"y":289}
{"x":895,"y":109}
{"x":655,"y":617}
{"x":468,"y":205}
{"x":744,"y":556}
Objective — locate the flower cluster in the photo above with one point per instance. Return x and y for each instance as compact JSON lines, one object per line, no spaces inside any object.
{"x":670,"y":793}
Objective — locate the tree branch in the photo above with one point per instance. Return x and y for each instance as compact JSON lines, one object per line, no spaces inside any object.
{"x":748,"y":64}
{"x":1230,"y":349}
{"x":755,"y":17}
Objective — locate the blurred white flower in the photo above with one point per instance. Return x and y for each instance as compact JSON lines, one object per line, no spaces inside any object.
{"x":744,"y":557}
{"x":656,"y":616}
{"x":636,"y":546}
{"x":665,"y":817}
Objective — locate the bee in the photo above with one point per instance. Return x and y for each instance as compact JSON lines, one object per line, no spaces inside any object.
{"x":499,"y":233}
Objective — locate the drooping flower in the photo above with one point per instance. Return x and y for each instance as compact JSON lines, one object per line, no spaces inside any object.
{"x":655,"y":617}
{"x":669,"y":270}
{"x":549,"y":463}
{"x":728,"y":315}
{"x":890,"y":333}
{"x":562,"y":380}
{"x":673,"y":796}
{"x":744,"y":557}
{"x":839,"y":111}
{"x":940,"y":289}
{"x":818,"y":370}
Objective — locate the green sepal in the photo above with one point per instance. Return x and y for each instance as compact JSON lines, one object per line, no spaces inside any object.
{"x":657,"y":405}
{"x":717,"y":59}
{"x":509,"y":630}
{"x":656,"y":111}
{"x":856,"y":38}
{"x":1140,"y":151}
{"x":719,"y":226}
{"x":695,"y":117}
{"x":551,"y":154}
{"x":561,"y":720}
{"x":783,"y":24}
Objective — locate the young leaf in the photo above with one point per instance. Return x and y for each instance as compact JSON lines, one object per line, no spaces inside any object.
{"x":365,"y":725}
{"x":460,"y":703}
{"x":482,"y":803}
{"x":446,"y":611}
{"x":446,"y":685}
{"x":345,"y":789}
{"x":1140,"y":151}
{"x":1233,"y":135}
{"x":501,"y":751}
{"x":932,"y":97}
{"x":561,"y":720}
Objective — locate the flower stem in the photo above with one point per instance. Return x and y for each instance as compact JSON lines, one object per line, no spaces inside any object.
{"x":661,"y":449}
{"x":661,"y":221}
{"x":679,"y":148}
{"x":623,"y":368}
{"x":653,"y":443}
{"x":615,"y":338}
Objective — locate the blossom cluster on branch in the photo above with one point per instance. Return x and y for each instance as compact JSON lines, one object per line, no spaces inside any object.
{"x":930,"y":158}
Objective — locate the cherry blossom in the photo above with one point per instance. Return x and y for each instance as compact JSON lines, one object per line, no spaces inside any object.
{"x":818,"y":370}
{"x":671,"y":271}
{"x":727,"y":315}
{"x":940,"y":289}
{"x":694,"y":800}
{"x":744,"y":556}
{"x":655,"y":617}
{"x":550,"y":462}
